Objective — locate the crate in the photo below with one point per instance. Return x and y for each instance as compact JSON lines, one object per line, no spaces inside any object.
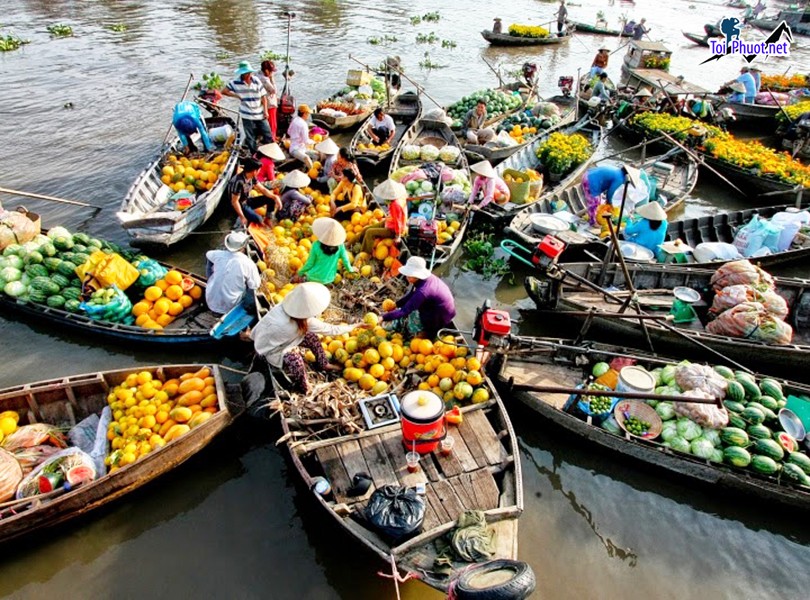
{"x":358,"y":78}
{"x":518,"y":192}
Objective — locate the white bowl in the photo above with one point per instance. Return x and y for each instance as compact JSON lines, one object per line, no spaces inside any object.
{"x":792,"y":424}
{"x":686,"y":294}
{"x":543,"y":223}
{"x":636,"y":253}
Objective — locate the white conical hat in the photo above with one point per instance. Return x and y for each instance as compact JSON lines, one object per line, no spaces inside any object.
{"x":651,"y":211}
{"x":296,"y":179}
{"x":328,"y":231}
{"x":327,"y":146}
{"x":483,"y":168}
{"x":272,"y":151}
{"x":306,"y":300}
{"x":390,"y":190}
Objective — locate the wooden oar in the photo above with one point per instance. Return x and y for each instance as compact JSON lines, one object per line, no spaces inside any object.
{"x":169,"y":131}
{"x":48,"y":198}
{"x":553,"y":389}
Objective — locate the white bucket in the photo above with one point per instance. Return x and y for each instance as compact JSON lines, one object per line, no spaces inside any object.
{"x":221,"y":134}
{"x":635,"y":379}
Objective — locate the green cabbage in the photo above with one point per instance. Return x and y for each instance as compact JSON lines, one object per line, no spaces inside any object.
{"x":701,"y":447}
{"x":665,"y":410}
{"x":14,"y":261}
{"x":652,"y":403}
{"x":689,"y":430}
{"x":669,"y":431}
{"x":679,"y":444}
{"x":668,"y":375}
{"x":59,"y":232}
{"x":713,"y":436}
{"x":15,"y":289}
{"x":657,"y":374}
{"x":11,"y":274}
{"x":716,"y":456}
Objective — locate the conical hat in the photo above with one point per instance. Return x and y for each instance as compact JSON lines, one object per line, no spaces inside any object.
{"x":390,"y":190}
{"x":306,"y":300}
{"x":483,"y":168}
{"x":272,"y":151}
{"x":327,"y":147}
{"x":737,"y":87}
{"x":328,"y":231}
{"x":643,"y":92}
{"x":651,"y":211}
{"x":296,"y":179}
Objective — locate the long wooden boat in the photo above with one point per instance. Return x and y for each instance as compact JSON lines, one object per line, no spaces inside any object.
{"x":404,"y":109}
{"x":66,"y":401}
{"x":559,"y":364}
{"x":334,"y":123}
{"x":596,"y":30}
{"x":655,"y":284}
{"x":483,"y":474}
{"x":750,"y":114}
{"x":504,"y":39}
{"x":676,"y":175}
{"x":145,"y":212}
{"x":695,"y":38}
{"x":192,"y":326}
{"x":798,"y":21}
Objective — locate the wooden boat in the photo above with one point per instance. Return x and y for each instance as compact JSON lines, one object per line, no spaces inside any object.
{"x":640,"y":68}
{"x":334,"y":123}
{"x":483,"y":473}
{"x":66,"y":401}
{"x":700,"y":40}
{"x":192,"y":326}
{"x":597,"y":30}
{"x":504,"y":39}
{"x":750,"y":114}
{"x":404,"y":109}
{"x":145,"y":212}
{"x":655,"y":284}
{"x":558,"y":364}
{"x":797,"y":20}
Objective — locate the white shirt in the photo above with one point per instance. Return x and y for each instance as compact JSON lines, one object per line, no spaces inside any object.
{"x":233,"y":273}
{"x":276,"y":334}
{"x":269,"y":87}
{"x":386,"y":122}
{"x":299,"y":134}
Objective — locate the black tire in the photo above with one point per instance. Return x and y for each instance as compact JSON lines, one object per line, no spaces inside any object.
{"x":520,"y":585}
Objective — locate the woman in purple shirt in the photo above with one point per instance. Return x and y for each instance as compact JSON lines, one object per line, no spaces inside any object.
{"x":430,"y":296}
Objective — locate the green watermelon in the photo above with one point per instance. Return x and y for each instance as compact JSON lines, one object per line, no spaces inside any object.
{"x":724,"y":371}
{"x":52,"y":263}
{"x":764,"y":464}
{"x":37,"y":296}
{"x":795,"y":473}
{"x":788,"y":443}
{"x":734,"y":406}
{"x":60,"y":280}
{"x":56,"y":301}
{"x":63,"y":244}
{"x":752,"y":391}
{"x":759,"y":432}
{"x":769,"y":414}
{"x":771,"y":387}
{"x":81,"y":238}
{"x":735,"y":392}
{"x":36,"y":270}
{"x":48,"y":249}
{"x":66,"y":268}
{"x":769,"y":448}
{"x":770,"y":403}
{"x":739,"y":457}
{"x":735,"y":420}
{"x":44,"y":285}
{"x":734,"y":436}
{"x":800,"y":459}
{"x":753,"y":415}
{"x":34,"y":257}
{"x":73,"y":305}
{"x":71,"y":293}
{"x":12,"y":249}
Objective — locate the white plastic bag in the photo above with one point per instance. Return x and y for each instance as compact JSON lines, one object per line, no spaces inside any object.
{"x":709,"y":251}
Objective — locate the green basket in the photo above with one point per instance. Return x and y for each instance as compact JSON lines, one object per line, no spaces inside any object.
{"x":518,"y":192}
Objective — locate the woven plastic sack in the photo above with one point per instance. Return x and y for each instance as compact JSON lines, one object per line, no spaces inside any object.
{"x":741,"y":272}
{"x":731,"y":296}
{"x":16,"y":228}
{"x":705,"y":415}
{"x":750,"y":320}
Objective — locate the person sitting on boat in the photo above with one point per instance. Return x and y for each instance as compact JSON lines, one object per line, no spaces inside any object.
{"x":298,"y":132}
{"x":429,"y":299}
{"x":347,"y":197}
{"x":488,"y":185}
{"x":473,"y":128}
{"x":600,"y":89}
{"x":344,"y":160}
{"x":600,"y":62}
{"x":267,"y":155}
{"x":328,"y":249}
{"x":293,"y":202}
{"x":497,"y":26}
{"x":292,"y":327}
{"x":232,"y":276}
{"x":327,"y":153}
{"x":252,"y":105}
{"x":748,"y":92}
{"x":187,"y":120}
{"x":381,"y":127}
{"x":639,"y":31}
{"x":239,"y":188}
{"x":648,"y":227}
{"x":562,"y":17}
{"x":756,"y":73}
{"x":396,"y":223}
{"x":600,"y":181}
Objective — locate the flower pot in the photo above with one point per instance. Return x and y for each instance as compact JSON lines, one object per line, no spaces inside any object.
{"x":555,"y":177}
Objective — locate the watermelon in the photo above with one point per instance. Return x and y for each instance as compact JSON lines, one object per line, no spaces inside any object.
{"x":44,"y":285}
{"x":794,"y":473}
{"x":800,"y":459}
{"x":769,"y":448}
{"x":739,"y":457}
{"x":73,"y":305}
{"x":52,"y":263}
{"x":12,"y":249}
{"x":81,"y":238}
{"x":37,"y":296}
{"x":770,"y":403}
{"x":735,"y":391}
{"x":724,"y":372}
{"x":734,"y":436}
{"x":734,"y":406}
{"x":753,"y":415}
{"x":63,"y":244}
{"x":769,"y":414}
{"x":788,"y":443}
{"x":759,"y":432}
{"x":80,"y":474}
{"x":60,"y":280}
{"x":48,"y":249}
{"x":36,"y":270}
{"x":752,"y":391}
{"x":55,"y":301}
{"x":764,"y":464}
{"x":34,"y":257}
{"x":81,"y":258}
{"x":66,"y":268}
{"x":71,"y":293}
{"x":771,"y":387}
{"x":79,"y":248}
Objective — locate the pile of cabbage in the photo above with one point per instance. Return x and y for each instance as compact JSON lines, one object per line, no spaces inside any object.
{"x":429,"y":153}
{"x":416,"y":182}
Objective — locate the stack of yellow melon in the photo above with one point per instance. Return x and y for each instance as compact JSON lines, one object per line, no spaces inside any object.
{"x":372,"y":147}
{"x":193,"y":175}
{"x":149,"y":412}
{"x":519,"y":133}
{"x":447,"y":231}
{"x":166,"y":300}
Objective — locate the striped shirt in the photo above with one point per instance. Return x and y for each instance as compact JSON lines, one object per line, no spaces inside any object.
{"x":251,"y":94}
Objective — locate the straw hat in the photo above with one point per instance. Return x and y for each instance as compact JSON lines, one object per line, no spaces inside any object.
{"x":483,"y":168}
{"x":272,"y":151}
{"x":304,"y":108}
{"x":328,"y":231}
{"x":296,"y":179}
{"x":415,"y":267}
{"x":306,"y":300}
{"x":651,"y":211}
{"x":390,"y":190}
{"x":755,"y":68}
{"x":643,"y":93}
{"x":236,"y":240}
{"x":604,"y":49}
{"x":244,"y":67}
{"x":737,"y":87}
{"x":327,"y":147}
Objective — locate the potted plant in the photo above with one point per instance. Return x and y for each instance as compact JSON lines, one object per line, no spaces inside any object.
{"x":561,"y":153}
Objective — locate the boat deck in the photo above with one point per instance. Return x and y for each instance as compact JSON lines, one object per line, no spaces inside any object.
{"x":527,"y":373}
{"x":462,"y":481}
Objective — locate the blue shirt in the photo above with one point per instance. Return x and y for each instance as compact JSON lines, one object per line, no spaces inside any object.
{"x":189,"y":112}
{"x":640,"y":232}
{"x":605,"y":179}
{"x":251,"y":94}
{"x":750,"y":85}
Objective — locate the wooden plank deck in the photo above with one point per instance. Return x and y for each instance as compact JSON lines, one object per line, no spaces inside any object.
{"x":527,"y":373}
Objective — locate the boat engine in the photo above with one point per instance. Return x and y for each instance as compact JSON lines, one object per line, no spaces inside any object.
{"x":548,"y":252}
{"x":492,"y":327}
{"x":566,"y":84}
{"x":423,"y":235}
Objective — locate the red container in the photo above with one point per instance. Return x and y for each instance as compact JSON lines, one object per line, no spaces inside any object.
{"x":422,"y":420}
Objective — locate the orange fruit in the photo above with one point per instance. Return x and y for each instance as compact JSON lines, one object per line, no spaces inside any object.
{"x":164,"y":320}
{"x":425,"y":347}
{"x":142,"y":319}
{"x":186,"y":301}
{"x":475,"y":378}
{"x":141,"y":308}
{"x":376,"y":370}
{"x":473,"y":364}
{"x":162,"y":306}
{"x":173,"y":277}
{"x":161,"y":285}
{"x":173,"y":292}
{"x":152,"y":293}
{"x":175,"y":309}
{"x":445,"y":370}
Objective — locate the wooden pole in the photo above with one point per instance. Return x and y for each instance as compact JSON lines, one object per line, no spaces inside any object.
{"x":552,"y":389}
{"x":48,"y":198}
{"x":188,"y":86}
{"x":418,"y":87}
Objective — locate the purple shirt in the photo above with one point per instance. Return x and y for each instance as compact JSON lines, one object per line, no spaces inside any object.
{"x":434,"y":301}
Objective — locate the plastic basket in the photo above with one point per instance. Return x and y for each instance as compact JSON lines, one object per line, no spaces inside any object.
{"x":518,"y":192}
{"x":584,"y":408}
{"x":358,"y":78}
{"x":625,"y":409}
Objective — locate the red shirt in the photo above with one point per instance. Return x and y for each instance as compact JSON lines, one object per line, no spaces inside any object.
{"x":267,"y":171}
{"x":397,"y":220}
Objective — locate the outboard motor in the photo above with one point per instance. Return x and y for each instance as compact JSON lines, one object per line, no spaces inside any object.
{"x":566,"y":84}
{"x":492,"y":327}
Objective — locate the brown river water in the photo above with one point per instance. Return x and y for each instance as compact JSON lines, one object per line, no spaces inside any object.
{"x":234,"y":522}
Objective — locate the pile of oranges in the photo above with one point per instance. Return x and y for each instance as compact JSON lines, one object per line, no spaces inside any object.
{"x":165,"y":300}
{"x":519,"y":134}
{"x":193,"y":175}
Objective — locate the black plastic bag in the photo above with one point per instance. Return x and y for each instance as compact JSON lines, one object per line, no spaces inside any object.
{"x":395,"y":511}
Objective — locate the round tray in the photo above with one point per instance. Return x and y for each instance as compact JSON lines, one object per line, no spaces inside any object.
{"x":635,"y":253}
{"x":640,"y":410}
{"x":686,"y":294}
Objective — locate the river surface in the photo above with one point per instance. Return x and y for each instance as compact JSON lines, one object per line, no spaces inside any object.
{"x":233,"y":522}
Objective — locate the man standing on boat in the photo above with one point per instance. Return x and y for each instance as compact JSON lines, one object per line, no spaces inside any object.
{"x":473,"y":128}
{"x":231,"y":276}
{"x":245,"y":205}
{"x":748,"y":92}
{"x":639,"y":31}
{"x":562,"y":16}
{"x":252,"y":106}
{"x":298,"y":132}
{"x":187,"y":120}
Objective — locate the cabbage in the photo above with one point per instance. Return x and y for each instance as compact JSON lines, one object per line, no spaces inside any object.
{"x":427,"y":186}
{"x":41,"y":239}
{"x":11,"y":274}
{"x":410,"y":152}
{"x":688,"y":430}
{"x":716,"y":455}
{"x":412,"y":186}
{"x":652,"y":403}
{"x":449,"y":154}
{"x":25,"y":279}
{"x":701,"y":447}
{"x":429,"y":153}
{"x":713,"y":436}
{"x":657,"y":374}
{"x":669,"y":431}
{"x":14,"y":261}
{"x":15,"y":289}
{"x":679,"y":444}
{"x":59,"y":231}
{"x":665,"y":410}
{"x":3,"y":262}
{"x":668,"y":375}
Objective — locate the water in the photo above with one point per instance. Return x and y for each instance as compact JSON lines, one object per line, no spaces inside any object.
{"x":234,"y":522}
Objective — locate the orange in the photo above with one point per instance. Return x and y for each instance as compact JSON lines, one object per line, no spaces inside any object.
{"x":142,"y":320}
{"x":186,"y":301}
{"x":152,"y":293}
{"x":164,"y":320}
{"x":371,"y":356}
{"x":141,"y":308}
{"x":473,"y":364}
{"x":376,"y":370}
{"x":173,"y":292}
{"x":162,"y":306}
{"x":475,"y":378}
{"x":388,"y":304}
{"x":173,"y":277}
{"x":445,"y":370}
{"x":175,"y":309}
{"x":425,"y":347}
{"x":381,"y":252}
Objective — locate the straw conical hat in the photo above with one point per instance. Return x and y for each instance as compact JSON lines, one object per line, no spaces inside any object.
{"x":328,"y":231}
{"x":643,"y":92}
{"x":327,"y":147}
{"x":306,"y":300}
{"x":296,"y":179}
{"x":272,"y":151}
{"x":483,"y":168}
{"x":737,"y":87}
{"x":651,"y":211}
{"x":390,"y":190}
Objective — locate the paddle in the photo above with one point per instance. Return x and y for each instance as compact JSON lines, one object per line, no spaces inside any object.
{"x":169,"y":131}
{"x":399,"y":71}
{"x":553,"y":389}
{"x":49,"y":198}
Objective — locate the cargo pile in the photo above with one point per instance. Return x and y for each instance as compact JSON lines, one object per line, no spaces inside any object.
{"x":193,"y":174}
{"x":498,"y":103}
